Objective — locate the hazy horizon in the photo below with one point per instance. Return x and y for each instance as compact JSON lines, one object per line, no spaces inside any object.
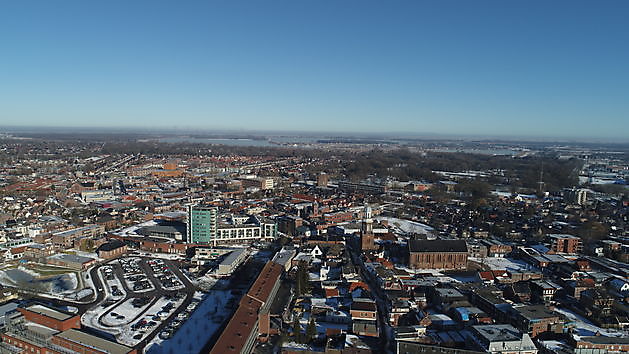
{"x":159,"y":131}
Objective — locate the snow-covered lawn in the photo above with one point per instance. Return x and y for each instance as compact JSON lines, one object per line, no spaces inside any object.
{"x":407,"y":226}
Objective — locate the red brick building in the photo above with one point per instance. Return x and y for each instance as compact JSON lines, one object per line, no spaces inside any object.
{"x":51,"y":318}
{"x":437,"y":254}
{"x":112,"y":249}
{"x":601,"y":343}
{"x":252,"y":319}
{"x":563,"y":243}
{"x":364,"y":310}
{"x":82,"y":342}
{"x":41,"y":329}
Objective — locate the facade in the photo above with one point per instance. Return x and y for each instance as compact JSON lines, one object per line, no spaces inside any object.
{"x":253,"y":229}
{"x":322,"y":180}
{"x":112,"y":249}
{"x":496,"y":249}
{"x":204,"y":228}
{"x":38,"y":250}
{"x":364,"y":309}
{"x":65,"y":239}
{"x":262,"y":183}
{"x":536,"y":319}
{"x":563,"y":243}
{"x":202,"y":224}
{"x":437,"y":254}
{"x":577,"y":196}
{"x":601,"y":344}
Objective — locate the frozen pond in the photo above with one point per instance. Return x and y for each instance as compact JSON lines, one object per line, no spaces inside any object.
{"x":27,"y":280}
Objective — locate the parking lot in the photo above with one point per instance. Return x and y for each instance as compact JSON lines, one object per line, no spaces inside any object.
{"x":143,"y":297}
{"x":164,"y":274}
{"x":135,"y":276}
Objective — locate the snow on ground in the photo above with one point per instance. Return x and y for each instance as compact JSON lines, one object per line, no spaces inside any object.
{"x":202,"y":324}
{"x":132,"y":230}
{"x":407,"y":226}
{"x":60,"y":286}
{"x":498,"y":263}
{"x":70,"y":285}
{"x":81,"y":294}
{"x":86,"y":254}
{"x":169,"y":256}
{"x":586,"y":328}
{"x":29,"y":271}
{"x":295,"y":346}
{"x":555,"y":345}
{"x":434,"y":272}
{"x":125,"y":309}
{"x":205,"y":282}
{"x":90,"y":319}
{"x":114,"y":282}
{"x":6,"y":280}
{"x":127,"y":333}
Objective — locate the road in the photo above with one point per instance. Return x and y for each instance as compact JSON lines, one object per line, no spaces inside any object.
{"x":387,"y":343}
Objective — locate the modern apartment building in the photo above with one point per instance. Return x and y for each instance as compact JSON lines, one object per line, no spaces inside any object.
{"x":202,"y":224}
{"x":204,"y":227}
{"x":563,"y":243}
{"x":243,"y":231}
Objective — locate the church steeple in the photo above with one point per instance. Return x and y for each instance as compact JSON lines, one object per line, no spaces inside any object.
{"x":367,"y":226}
{"x":366,"y":230}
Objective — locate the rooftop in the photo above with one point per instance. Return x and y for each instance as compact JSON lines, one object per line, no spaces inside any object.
{"x":48,"y":312}
{"x":91,"y":341}
{"x":498,"y":333}
{"x":534,"y":312}
{"x":437,"y":246}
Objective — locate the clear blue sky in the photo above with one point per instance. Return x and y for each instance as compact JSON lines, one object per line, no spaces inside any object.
{"x":532,"y":68}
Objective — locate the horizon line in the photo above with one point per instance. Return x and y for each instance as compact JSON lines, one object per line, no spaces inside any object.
{"x":162,"y":130}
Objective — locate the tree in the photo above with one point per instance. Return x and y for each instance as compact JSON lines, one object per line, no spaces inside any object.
{"x":297,"y":329}
{"x":311,"y":330}
{"x":302,"y":278}
{"x":592,"y":231}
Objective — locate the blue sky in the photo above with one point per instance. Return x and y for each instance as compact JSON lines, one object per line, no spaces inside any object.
{"x":525,"y":68}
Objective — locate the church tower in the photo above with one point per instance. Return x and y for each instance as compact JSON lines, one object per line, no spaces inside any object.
{"x":366,"y":231}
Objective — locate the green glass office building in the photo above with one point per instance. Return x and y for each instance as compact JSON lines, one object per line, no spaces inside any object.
{"x":202,"y":224}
